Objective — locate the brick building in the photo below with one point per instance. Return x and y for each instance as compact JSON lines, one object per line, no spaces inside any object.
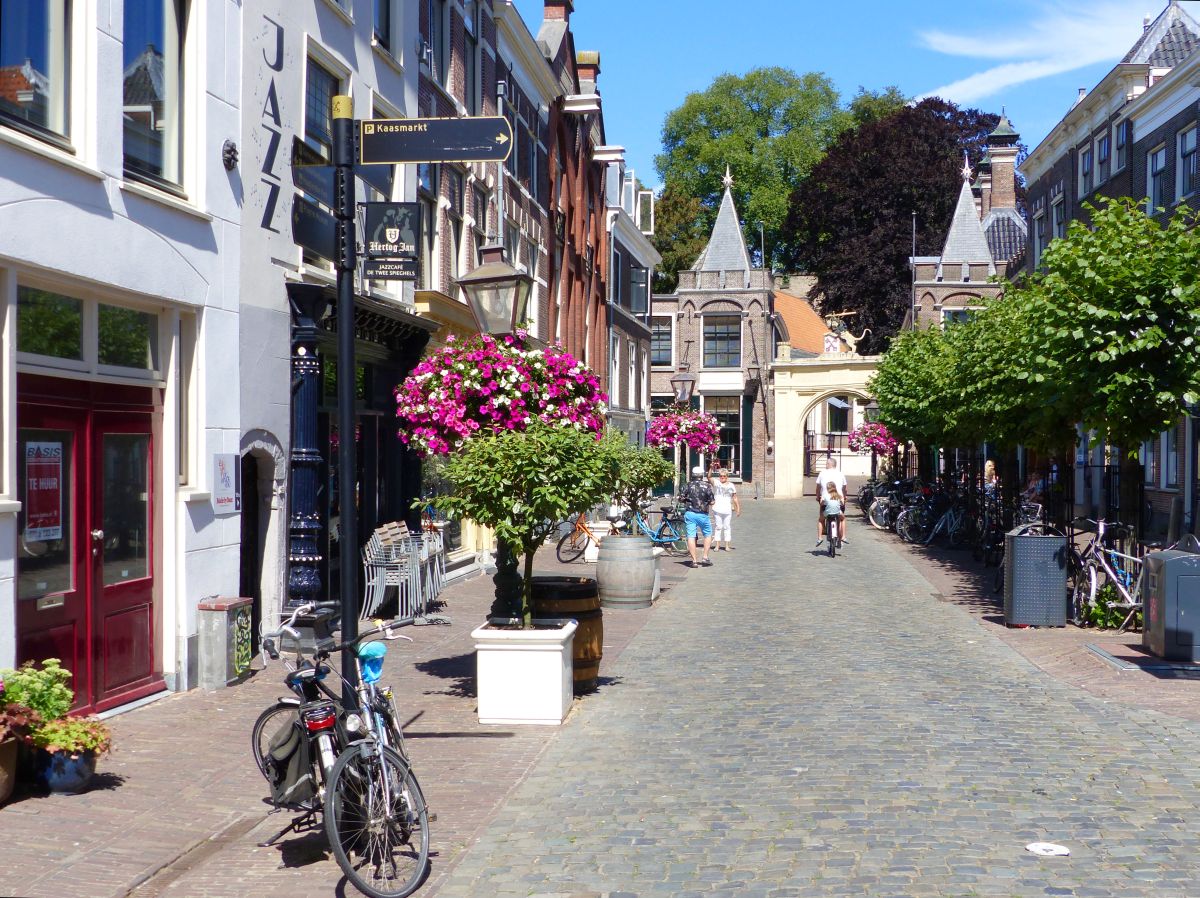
{"x":720,"y":326}
{"x":1133,"y":134}
{"x":987,"y":238}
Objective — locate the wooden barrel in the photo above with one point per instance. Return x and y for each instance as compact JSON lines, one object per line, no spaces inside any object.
{"x":577,"y":598}
{"x":625,"y":572}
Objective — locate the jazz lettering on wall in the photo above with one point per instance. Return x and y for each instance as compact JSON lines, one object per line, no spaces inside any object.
{"x":272,"y":124}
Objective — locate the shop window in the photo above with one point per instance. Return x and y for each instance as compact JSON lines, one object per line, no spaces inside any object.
{"x":128,"y":338}
{"x":1152,"y":462}
{"x":1171,"y":459}
{"x":152,"y":103}
{"x":49,"y":324}
{"x":35,"y":49}
{"x":722,"y":341}
{"x":660,"y":342}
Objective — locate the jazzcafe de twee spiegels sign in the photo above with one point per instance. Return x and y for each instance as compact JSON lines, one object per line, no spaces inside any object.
{"x":393,"y":233}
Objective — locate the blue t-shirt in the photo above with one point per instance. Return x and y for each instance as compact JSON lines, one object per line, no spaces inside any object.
{"x":831,"y":505}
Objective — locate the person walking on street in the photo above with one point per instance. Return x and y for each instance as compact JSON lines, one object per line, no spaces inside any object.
{"x":725,"y":506}
{"x":831,"y":474}
{"x":697,"y":500}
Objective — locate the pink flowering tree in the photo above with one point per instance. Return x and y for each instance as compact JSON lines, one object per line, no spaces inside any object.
{"x":683,"y":426}
{"x":489,"y":385}
{"x":522,"y":429}
{"x":872,"y":437}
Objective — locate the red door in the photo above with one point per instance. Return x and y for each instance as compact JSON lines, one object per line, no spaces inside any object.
{"x":85,"y":565}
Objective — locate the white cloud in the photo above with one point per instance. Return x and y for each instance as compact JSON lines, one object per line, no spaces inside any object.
{"x":1056,"y":38}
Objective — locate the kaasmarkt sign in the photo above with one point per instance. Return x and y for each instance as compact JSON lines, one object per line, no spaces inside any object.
{"x":472,"y":139}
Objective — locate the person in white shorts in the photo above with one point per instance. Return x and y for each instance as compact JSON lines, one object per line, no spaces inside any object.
{"x":725,"y":506}
{"x":831,"y":474}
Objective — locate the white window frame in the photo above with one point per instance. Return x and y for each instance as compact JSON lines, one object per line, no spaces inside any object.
{"x":1192,"y":131}
{"x":1155,"y":171}
{"x":671,"y":319}
{"x":1121,"y":152}
{"x":441,"y":50}
{"x":1059,"y":206}
{"x":1103,"y":166}
{"x":631,"y":388}
{"x":1087,"y":167}
{"x":1039,"y":236}
{"x":472,"y":93}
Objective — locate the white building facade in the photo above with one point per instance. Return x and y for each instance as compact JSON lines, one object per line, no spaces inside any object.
{"x":119,"y":375}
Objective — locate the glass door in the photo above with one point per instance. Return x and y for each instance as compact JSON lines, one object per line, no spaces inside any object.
{"x":121,"y":555}
{"x":52,"y":574}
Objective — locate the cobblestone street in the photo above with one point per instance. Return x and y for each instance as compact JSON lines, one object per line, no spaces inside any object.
{"x":781,"y":724}
{"x":791,"y":724}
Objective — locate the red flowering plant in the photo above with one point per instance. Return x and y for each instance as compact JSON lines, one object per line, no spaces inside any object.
{"x":872,"y":437}
{"x":489,"y":385}
{"x":696,"y":430}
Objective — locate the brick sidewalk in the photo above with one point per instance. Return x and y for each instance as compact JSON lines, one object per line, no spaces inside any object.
{"x":178,"y":807}
{"x":1060,"y":651}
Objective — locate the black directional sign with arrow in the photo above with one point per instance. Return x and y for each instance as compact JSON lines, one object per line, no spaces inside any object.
{"x":475,"y":139}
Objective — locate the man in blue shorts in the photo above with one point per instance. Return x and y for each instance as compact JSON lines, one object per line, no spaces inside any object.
{"x":697,"y":499}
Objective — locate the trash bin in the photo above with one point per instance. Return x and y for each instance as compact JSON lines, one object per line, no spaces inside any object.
{"x":1035,"y":579}
{"x":1171,"y":604}
{"x":226,"y":640}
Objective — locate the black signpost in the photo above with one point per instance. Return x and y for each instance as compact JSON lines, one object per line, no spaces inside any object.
{"x":393,"y":141}
{"x":393,"y":235}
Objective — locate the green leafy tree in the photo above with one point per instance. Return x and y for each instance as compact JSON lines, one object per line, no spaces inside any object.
{"x":637,"y":469}
{"x":522,"y":483}
{"x":872,"y":106}
{"x":850,"y":220}
{"x":914,"y":386}
{"x":1116,"y":308}
{"x":769,"y":126}
{"x":681,"y":229}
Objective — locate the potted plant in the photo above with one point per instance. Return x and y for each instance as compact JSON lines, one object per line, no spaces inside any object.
{"x":683,"y":426}
{"x":521,"y":427}
{"x":65,"y":748}
{"x":626,"y":570}
{"x":16,"y":723}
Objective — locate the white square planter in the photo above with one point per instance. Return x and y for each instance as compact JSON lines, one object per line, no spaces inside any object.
{"x":524,"y":676}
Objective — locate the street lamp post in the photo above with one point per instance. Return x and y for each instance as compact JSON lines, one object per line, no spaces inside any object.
{"x":498,"y":295}
{"x":683,"y":383}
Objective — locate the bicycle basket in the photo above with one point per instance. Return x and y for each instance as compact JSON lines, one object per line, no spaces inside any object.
{"x":289,"y":767}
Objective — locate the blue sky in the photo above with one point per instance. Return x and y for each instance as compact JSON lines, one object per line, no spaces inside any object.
{"x":1030,"y":56}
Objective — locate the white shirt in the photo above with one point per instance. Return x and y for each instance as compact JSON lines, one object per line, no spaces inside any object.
{"x":834,"y":476}
{"x":723,"y":494}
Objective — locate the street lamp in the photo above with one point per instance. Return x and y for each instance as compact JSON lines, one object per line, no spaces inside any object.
{"x":871,"y":412}
{"x":499,"y":295}
{"x":684,"y":384}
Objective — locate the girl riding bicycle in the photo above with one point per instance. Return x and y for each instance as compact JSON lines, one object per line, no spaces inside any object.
{"x":832,"y":507}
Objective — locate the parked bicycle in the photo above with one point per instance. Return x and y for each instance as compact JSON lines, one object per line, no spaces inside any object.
{"x":358,"y":777}
{"x":574,"y":543}
{"x":1098,"y":563}
{"x":670,"y":532}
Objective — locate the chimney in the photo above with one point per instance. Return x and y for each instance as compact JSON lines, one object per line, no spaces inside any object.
{"x":587,"y":64}
{"x":559,"y":10}
{"x":1002,"y":151}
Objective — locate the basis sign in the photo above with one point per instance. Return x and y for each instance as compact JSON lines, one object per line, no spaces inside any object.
{"x":390,"y":269}
{"x":387,"y":141}
{"x":43,"y":491}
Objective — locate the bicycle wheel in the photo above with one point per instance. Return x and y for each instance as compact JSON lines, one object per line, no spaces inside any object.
{"x":1083,"y":591}
{"x":377,"y":822}
{"x":277,"y":717}
{"x":877,"y":514}
{"x":833,"y":538}
{"x":668,"y":537}
{"x":571,"y":546}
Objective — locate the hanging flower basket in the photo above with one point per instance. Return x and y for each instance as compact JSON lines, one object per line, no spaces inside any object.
{"x":486,"y":384}
{"x":696,"y":430}
{"x":872,"y":437}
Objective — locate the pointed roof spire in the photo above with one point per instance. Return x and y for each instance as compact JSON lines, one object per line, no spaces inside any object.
{"x":966,"y":241}
{"x":726,"y":250}
{"x":1004,"y":133}
{"x":966,"y":169}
